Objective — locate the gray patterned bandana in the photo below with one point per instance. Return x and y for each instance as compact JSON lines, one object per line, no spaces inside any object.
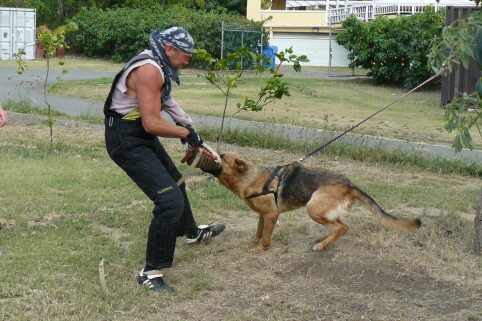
{"x":179,"y":39}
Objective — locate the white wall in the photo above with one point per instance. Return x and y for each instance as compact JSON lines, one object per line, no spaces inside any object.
{"x":316,"y":46}
{"x":17,"y":30}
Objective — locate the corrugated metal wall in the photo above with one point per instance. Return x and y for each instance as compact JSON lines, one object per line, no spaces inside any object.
{"x":462,"y":80}
{"x":17,"y":30}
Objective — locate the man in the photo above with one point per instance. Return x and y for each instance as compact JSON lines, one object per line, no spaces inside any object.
{"x":3,"y":117}
{"x":133,"y":123}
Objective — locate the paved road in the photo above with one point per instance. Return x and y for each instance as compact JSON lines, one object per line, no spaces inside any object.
{"x":29,"y":86}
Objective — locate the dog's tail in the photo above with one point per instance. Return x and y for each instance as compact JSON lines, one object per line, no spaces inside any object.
{"x":383,"y":217}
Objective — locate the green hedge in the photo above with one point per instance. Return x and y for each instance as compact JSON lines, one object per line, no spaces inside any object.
{"x":394,"y":50}
{"x":120,"y":33}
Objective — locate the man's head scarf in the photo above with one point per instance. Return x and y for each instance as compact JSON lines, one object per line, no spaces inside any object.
{"x":179,"y":39}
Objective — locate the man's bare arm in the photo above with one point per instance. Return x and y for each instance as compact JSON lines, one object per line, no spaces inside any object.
{"x":146,"y":82}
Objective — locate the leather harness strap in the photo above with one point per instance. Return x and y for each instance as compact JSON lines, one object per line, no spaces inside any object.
{"x":265,"y":190}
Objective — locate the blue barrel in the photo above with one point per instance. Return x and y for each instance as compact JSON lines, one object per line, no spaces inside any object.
{"x":270,"y":52}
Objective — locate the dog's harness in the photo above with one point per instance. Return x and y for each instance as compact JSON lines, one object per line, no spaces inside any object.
{"x":265,"y":190}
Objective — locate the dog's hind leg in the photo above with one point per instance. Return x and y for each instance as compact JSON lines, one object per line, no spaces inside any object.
{"x":324,"y":209}
{"x":338,"y":229}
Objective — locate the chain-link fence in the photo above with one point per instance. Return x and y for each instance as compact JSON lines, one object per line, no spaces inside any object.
{"x":233,"y":38}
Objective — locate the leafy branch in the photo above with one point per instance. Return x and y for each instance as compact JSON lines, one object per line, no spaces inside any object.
{"x":275,"y":88}
{"x":225,"y":73}
{"x":18,"y":58}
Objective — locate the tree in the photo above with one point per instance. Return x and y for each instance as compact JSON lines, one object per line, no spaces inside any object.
{"x":459,"y":42}
{"x":392,"y":49}
{"x":52,"y":41}
{"x":54,"y":13}
{"x":227,"y":6}
{"x":121,"y":33}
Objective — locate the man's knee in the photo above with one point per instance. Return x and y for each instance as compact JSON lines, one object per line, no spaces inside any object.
{"x":169,"y":202}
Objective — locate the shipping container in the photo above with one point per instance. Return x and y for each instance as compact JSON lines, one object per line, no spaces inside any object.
{"x":17,"y":31}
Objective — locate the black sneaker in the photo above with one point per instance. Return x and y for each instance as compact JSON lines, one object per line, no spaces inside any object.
{"x":206,"y":232}
{"x":153,"y":279}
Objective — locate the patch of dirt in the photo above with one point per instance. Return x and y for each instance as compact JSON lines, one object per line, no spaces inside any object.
{"x":116,"y":234}
{"x":5,"y":224}
{"x":391,"y":283}
{"x":48,"y":221}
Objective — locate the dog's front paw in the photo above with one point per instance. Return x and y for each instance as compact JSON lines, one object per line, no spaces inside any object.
{"x":257,"y":250}
{"x":318,"y":247}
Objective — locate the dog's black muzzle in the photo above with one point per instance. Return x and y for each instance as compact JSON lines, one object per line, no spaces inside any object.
{"x":215,"y":172}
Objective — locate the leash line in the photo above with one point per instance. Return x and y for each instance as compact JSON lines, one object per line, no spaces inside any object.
{"x":393,"y":102}
{"x":193,"y":164}
{"x":103,"y":282}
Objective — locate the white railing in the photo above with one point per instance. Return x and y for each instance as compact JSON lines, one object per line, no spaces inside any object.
{"x":399,"y":8}
{"x":368,"y":12}
{"x":293,"y":4}
{"x":363,"y":12}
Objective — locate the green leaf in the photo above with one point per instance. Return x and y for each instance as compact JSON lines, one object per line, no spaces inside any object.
{"x":297,"y":67}
{"x":462,"y":105}
{"x":464,"y":57}
{"x":458,"y":143}
{"x":478,"y":87}
{"x":49,"y":122}
{"x":468,"y":142}
{"x":478,"y":49}
{"x":232,"y":79}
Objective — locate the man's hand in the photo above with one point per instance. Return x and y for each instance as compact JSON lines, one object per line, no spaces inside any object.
{"x":193,"y":138}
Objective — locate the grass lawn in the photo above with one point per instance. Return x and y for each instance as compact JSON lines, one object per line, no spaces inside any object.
{"x":63,"y":212}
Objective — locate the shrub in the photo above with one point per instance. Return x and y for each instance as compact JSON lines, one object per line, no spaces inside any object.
{"x":394,"y":50}
{"x":120,"y":33}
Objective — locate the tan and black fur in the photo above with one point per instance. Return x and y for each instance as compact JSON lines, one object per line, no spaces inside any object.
{"x":325,"y":194}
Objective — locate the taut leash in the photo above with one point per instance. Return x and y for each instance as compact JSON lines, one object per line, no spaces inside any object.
{"x":194,"y":163}
{"x":393,"y":102}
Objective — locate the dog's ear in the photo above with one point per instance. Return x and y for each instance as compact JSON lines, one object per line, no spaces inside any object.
{"x":241,"y":165}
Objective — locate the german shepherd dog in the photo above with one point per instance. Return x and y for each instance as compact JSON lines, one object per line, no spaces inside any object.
{"x":325,"y":194}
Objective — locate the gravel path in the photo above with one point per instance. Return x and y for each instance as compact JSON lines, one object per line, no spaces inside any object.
{"x":27,"y":119}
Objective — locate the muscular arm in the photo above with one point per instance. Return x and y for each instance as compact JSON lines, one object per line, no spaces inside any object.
{"x":146,"y":82}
